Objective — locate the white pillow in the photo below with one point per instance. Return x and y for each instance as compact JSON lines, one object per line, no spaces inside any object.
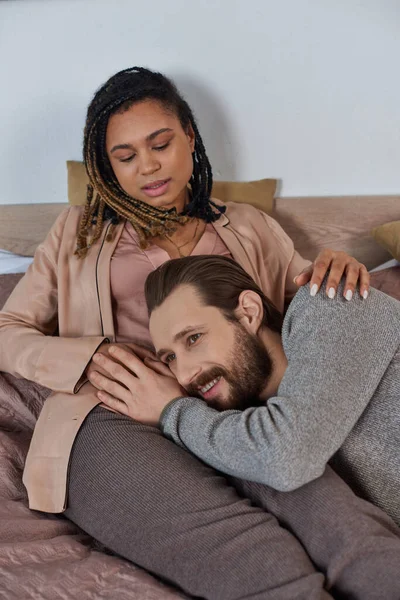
{"x":386,"y":265}
{"x":13,"y":263}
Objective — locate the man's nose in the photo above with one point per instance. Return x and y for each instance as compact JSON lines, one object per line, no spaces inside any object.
{"x":187,"y":370}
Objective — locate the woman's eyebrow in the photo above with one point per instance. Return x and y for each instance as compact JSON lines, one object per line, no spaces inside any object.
{"x":153,"y":135}
{"x":149,"y":138}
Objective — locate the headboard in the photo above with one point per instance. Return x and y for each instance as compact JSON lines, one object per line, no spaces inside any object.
{"x":342,"y":223}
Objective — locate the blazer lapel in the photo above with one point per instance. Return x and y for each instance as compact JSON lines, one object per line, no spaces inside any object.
{"x":103,"y":282}
{"x":235,"y":244}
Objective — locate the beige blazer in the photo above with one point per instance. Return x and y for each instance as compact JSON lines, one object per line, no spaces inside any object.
{"x":74,"y":295}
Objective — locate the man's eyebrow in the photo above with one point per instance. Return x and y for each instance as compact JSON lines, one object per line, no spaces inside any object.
{"x":149,"y":138}
{"x":181,"y":334}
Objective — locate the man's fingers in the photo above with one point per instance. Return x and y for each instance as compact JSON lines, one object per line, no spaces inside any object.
{"x":159,"y":367}
{"x":119,"y":376}
{"x":113,"y":403}
{"x":131,"y":361}
{"x":140,"y":351}
{"x":93,"y":367}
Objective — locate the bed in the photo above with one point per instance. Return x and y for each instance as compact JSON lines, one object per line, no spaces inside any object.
{"x":47,"y":557}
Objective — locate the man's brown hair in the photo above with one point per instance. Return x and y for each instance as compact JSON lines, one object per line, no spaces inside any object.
{"x":218,"y":280}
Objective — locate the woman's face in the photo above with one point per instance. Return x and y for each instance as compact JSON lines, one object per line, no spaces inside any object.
{"x":151,"y":154}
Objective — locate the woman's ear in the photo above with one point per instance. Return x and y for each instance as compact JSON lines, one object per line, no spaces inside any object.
{"x":250,"y":311}
{"x":191,"y":137}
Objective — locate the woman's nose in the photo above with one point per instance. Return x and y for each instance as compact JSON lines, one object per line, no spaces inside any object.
{"x":149,"y":164}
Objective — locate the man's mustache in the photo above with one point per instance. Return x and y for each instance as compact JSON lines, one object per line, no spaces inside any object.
{"x":204,"y":378}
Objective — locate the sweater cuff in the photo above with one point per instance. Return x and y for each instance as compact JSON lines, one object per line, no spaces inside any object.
{"x":169,"y":418}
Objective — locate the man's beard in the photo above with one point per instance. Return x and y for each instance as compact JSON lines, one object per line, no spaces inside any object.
{"x":249,"y":370}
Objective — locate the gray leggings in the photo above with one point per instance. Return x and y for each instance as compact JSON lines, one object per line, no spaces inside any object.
{"x":158,"y":506}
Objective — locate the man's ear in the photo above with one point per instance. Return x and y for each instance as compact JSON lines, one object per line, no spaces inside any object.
{"x":250,"y":311}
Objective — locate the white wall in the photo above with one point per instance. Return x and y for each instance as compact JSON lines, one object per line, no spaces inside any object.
{"x":304,"y":90}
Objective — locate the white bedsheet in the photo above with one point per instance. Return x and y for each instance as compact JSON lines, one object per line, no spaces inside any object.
{"x":386,"y":265}
{"x":12,"y":263}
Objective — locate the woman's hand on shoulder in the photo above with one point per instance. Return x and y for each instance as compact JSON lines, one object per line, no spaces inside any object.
{"x":339,"y":264}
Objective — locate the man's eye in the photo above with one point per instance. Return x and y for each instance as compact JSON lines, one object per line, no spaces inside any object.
{"x":193,"y":338}
{"x":169,"y":358}
{"x":161,"y":147}
{"x":125,"y":160}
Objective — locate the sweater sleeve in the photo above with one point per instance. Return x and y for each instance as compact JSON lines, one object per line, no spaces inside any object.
{"x":28,"y":321}
{"x":337,"y":352}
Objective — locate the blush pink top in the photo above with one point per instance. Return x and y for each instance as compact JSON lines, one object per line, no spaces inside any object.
{"x":130,"y":266}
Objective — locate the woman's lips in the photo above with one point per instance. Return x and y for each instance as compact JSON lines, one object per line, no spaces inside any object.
{"x":157,"y":188}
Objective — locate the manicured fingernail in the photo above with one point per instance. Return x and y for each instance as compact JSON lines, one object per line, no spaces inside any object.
{"x":112,"y":350}
{"x":331,"y":293}
{"x":314,"y":290}
{"x":97,"y":357}
{"x":295,"y":279}
{"x":365,"y":294}
{"x":349,"y":295}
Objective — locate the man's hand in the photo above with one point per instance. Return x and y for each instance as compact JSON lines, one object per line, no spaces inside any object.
{"x":135,"y":389}
{"x":140,"y":351}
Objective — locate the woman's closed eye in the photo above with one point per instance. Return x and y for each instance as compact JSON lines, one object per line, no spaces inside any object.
{"x":163,"y":147}
{"x":128,"y":159}
{"x":158,"y":148}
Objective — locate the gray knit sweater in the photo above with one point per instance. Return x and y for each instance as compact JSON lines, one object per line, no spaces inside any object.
{"x":339,"y":400}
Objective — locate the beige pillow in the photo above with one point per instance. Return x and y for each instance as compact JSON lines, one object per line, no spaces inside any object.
{"x":258,"y":193}
{"x":388,"y":236}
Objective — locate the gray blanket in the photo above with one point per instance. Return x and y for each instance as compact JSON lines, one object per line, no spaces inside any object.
{"x":46,"y":556}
